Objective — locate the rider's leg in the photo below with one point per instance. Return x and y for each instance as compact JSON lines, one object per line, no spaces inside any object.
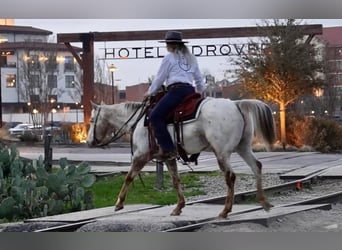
{"x":158,"y":116}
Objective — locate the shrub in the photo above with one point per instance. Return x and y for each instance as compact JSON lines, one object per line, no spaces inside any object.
{"x":319,"y":133}
{"x":324,"y":135}
{"x":296,"y":125}
{"x":27,"y":190}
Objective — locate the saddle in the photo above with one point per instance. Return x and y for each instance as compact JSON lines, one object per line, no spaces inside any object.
{"x":185,"y":111}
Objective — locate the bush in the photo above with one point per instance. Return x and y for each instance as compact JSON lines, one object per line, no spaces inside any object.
{"x":295,"y":127}
{"x":324,"y":135}
{"x":319,"y":133}
{"x":27,"y":190}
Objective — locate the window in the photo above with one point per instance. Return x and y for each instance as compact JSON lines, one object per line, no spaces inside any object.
{"x":339,"y":78}
{"x":52,"y":81}
{"x":34,"y":81}
{"x":69,"y":81}
{"x":33,"y":62}
{"x":11,"y":81}
{"x":51,"y":63}
{"x":34,"y":98}
{"x":339,"y":65}
{"x":69,"y":63}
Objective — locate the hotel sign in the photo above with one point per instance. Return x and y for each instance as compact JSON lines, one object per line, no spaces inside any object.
{"x":197,"y":50}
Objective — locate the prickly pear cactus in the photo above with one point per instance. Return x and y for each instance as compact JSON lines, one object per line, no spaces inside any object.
{"x":27,"y":190}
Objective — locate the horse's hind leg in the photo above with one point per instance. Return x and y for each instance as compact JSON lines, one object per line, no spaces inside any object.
{"x":137,"y":165}
{"x":230,"y":181}
{"x":172,"y":168}
{"x":256,"y":167}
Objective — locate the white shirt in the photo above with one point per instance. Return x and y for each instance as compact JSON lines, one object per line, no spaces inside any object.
{"x":173,"y":69}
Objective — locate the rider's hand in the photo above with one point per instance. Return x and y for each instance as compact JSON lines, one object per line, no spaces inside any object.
{"x":146,"y":95}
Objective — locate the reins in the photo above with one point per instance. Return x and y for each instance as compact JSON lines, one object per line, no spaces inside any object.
{"x":119,"y":133}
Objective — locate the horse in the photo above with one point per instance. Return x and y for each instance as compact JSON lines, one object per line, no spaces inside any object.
{"x":223,"y":126}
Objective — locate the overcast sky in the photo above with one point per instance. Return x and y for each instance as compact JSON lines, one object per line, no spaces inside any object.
{"x":134,"y":71}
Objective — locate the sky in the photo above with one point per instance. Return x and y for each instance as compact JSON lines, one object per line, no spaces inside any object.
{"x":134,"y":71}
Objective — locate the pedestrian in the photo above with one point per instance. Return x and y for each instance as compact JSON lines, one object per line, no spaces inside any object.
{"x":178,"y":71}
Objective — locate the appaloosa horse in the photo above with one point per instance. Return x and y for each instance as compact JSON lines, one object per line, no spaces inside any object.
{"x":223,"y":126}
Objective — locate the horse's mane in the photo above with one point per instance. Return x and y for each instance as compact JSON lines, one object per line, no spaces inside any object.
{"x":132,"y":106}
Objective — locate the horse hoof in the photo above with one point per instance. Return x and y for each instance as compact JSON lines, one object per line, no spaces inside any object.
{"x":117,"y":208}
{"x":222,"y":216}
{"x":267,"y":206}
{"x":175,"y":213}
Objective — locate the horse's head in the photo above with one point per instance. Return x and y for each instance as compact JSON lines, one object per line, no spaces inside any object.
{"x":100,"y":131}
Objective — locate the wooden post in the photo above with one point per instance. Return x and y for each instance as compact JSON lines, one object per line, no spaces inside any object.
{"x":88,"y":73}
{"x":160,"y":175}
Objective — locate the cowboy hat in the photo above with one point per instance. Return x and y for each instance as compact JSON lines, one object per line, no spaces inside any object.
{"x":173,"y":37}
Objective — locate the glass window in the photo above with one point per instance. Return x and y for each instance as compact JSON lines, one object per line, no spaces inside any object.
{"x":34,"y":81}
{"x":33,"y":62}
{"x":69,"y":63}
{"x":339,"y":78}
{"x":338,"y":65}
{"x":69,"y":81}
{"x":11,"y":81}
{"x":52,"y":81}
{"x":51,"y":63}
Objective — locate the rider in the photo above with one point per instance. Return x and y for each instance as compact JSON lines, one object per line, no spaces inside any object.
{"x":178,"y":70}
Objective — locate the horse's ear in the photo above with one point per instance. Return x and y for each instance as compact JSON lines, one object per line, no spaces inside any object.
{"x":93,"y":104}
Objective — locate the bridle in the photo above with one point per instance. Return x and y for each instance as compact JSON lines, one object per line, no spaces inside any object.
{"x":119,"y":133}
{"x":95,"y":122}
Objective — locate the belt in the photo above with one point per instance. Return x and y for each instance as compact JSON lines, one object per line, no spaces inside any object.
{"x":178,"y":84}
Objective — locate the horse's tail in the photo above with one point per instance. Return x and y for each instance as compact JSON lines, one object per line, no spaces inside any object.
{"x":260,"y":114}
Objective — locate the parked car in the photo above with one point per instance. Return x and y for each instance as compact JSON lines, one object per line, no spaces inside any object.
{"x":20,"y":129}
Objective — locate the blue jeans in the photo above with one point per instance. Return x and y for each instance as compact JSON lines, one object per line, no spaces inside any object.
{"x":158,"y":115}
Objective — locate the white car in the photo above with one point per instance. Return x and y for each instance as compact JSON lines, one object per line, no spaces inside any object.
{"x":20,"y":129}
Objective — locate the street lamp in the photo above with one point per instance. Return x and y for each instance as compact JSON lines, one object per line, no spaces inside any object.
{"x":112,"y":68}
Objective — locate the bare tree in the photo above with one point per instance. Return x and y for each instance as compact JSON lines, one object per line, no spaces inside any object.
{"x":39,"y":76}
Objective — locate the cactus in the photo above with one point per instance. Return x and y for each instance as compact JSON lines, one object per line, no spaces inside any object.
{"x":27,"y":190}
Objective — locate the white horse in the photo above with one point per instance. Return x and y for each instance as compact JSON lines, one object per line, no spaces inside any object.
{"x":222,"y":126}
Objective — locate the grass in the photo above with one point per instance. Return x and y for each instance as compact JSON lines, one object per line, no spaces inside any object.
{"x":106,"y":189}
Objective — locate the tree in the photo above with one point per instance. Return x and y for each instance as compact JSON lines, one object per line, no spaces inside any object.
{"x":102,"y":79}
{"x":39,"y":77}
{"x":284,"y":69}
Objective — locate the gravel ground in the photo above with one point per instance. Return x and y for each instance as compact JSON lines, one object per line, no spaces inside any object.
{"x":309,"y":221}
{"x":216,"y":186}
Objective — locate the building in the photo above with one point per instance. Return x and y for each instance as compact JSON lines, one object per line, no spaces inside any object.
{"x":332,"y":39}
{"x":36,"y":74}
{"x":25,"y":51}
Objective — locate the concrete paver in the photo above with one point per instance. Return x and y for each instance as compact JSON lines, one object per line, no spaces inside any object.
{"x":118,"y":160}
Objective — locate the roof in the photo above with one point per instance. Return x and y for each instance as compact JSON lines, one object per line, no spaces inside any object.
{"x":36,"y":46}
{"x":332,"y":35}
{"x":23,"y":30}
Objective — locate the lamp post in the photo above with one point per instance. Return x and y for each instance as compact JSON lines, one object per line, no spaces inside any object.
{"x":29,"y":111}
{"x":76,"y":104}
{"x":52,"y":112}
{"x":112,"y":69}
{"x":34,"y":117}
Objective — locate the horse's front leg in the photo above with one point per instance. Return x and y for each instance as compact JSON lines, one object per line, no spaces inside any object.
{"x":172,"y":168}
{"x":137,"y":164}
